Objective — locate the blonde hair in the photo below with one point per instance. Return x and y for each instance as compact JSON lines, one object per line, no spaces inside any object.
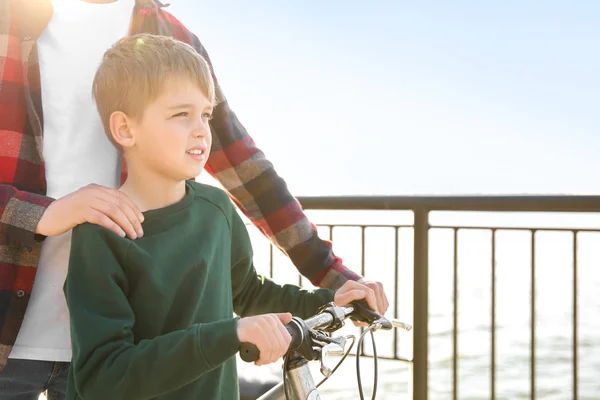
{"x":133,"y":71}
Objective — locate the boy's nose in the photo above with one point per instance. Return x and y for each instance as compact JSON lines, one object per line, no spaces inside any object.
{"x":201,"y":129}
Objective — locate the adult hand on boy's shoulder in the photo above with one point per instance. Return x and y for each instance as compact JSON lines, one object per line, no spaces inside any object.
{"x":99,"y":205}
{"x":267,"y":332}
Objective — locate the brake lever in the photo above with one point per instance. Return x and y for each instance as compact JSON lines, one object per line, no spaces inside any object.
{"x":327,"y":351}
{"x":318,"y":337}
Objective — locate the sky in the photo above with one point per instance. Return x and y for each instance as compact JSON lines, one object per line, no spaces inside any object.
{"x":401,"y":98}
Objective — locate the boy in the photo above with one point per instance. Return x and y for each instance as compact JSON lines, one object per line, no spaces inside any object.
{"x":153,"y":318}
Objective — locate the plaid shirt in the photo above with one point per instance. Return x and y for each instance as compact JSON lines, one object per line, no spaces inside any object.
{"x":235,"y":161}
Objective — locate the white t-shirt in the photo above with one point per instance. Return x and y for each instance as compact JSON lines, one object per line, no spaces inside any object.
{"x":76,"y":153}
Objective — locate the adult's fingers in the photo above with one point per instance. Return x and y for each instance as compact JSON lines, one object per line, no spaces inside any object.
{"x":128,"y":207}
{"x":382,"y":301}
{"x":114,"y":212}
{"x":98,"y":218}
{"x":351,"y":295}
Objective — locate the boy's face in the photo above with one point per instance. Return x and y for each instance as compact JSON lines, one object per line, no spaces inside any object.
{"x":173,"y":137}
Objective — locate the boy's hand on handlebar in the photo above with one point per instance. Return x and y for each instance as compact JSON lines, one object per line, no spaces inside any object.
{"x":267,"y":332}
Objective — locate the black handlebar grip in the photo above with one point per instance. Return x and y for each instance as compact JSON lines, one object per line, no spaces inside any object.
{"x":250,"y":353}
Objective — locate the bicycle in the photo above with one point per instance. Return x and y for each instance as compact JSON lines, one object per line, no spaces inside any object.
{"x":310,"y":342}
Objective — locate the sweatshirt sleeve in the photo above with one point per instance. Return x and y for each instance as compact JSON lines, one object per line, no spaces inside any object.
{"x":107,"y":362}
{"x":255,"y":294}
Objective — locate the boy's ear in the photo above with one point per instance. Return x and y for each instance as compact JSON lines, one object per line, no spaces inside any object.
{"x":120,"y":129}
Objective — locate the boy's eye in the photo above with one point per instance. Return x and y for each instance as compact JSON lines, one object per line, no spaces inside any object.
{"x":181,"y":114}
{"x":207,"y":116}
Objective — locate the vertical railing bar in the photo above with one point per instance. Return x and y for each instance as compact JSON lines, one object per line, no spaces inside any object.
{"x":362,"y":249}
{"x":575,"y":306}
{"x":532,"y":365}
{"x":396,"y":286}
{"x":493,"y":323}
{"x":362,"y":272}
{"x":455,"y":319}
{"x":420,"y":304}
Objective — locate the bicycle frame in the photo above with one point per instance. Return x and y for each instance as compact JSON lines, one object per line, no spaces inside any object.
{"x":300,"y":385}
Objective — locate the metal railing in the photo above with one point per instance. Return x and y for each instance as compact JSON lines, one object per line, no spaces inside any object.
{"x":421,"y":206}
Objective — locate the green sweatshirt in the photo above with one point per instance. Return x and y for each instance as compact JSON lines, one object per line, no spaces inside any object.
{"x":154,"y":318}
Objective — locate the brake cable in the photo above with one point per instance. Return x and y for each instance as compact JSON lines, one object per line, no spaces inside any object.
{"x":358,"y":354}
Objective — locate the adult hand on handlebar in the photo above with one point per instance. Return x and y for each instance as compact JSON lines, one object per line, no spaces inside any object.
{"x":267,"y":332}
{"x":372,"y":292}
{"x":351,"y":291}
{"x":382,"y":300}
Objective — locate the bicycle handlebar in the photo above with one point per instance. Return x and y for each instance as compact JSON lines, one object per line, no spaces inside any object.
{"x":297,"y":330}
{"x":329,"y":318}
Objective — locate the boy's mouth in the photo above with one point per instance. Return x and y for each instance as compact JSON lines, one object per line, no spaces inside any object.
{"x":197,"y":153}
